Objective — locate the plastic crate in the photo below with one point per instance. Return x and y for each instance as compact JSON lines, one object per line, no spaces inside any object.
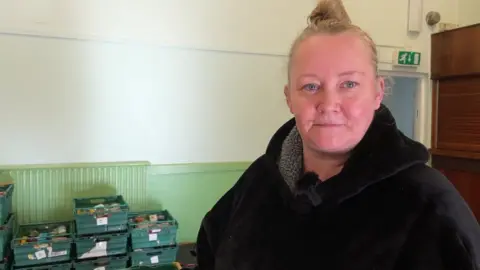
{"x":45,"y":243}
{"x":5,"y":265}
{"x":100,"y":214}
{"x":104,"y":263}
{"x":51,"y":266}
{"x":152,"y":229}
{"x":102,"y":245}
{"x":6,"y":193}
{"x":172,"y":266}
{"x":154,"y":256}
{"x":7,"y":262}
{"x":6,"y":235}
{"x":42,"y":243}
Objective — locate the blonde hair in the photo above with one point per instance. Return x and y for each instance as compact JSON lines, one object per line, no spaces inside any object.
{"x":330,"y":17}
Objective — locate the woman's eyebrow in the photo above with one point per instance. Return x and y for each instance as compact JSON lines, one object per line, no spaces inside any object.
{"x":351,"y":72}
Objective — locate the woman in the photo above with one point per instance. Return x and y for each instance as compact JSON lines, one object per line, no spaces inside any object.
{"x":339,"y":187}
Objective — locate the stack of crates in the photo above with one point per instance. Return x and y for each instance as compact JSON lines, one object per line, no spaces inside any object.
{"x":7,"y":262}
{"x":153,"y":238}
{"x":7,"y":223}
{"x":43,"y":246}
{"x":101,"y":237}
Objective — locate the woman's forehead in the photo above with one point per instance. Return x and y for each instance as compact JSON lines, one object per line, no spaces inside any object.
{"x":332,"y":54}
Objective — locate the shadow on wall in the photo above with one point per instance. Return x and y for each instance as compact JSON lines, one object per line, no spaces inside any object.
{"x":190,"y":191}
{"x":96,"y":191}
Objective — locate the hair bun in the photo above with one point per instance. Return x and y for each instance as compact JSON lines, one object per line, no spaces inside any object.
{"x":329,"y":11}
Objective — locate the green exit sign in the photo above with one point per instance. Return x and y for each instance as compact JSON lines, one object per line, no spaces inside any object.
{"x":408,"y":58}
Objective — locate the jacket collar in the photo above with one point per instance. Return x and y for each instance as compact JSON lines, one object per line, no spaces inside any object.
{"x":383,"y":152}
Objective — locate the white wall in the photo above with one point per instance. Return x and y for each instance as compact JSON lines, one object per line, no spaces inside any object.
{"x":165,"y":81}
{"x":468,"y":12}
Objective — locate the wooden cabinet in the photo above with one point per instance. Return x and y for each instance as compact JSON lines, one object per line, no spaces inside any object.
{"x":458,"y":114}
{"x":455,"y":72}
{"x":455,"y":52}
{"x":464,"y":173}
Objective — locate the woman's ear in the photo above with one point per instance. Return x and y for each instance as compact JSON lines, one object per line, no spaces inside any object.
{"x":286,"y":92}
{"x":380,"y":93}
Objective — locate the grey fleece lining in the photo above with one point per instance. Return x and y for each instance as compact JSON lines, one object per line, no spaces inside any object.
{"x":290,"y":162}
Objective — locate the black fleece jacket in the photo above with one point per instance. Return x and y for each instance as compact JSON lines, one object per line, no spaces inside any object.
{"x":386,"y":210}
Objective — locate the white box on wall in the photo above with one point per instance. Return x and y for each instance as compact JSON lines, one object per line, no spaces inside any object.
{"x":415,"y":15}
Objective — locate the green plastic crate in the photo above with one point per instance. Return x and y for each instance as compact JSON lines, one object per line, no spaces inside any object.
{"x":161,"y":231}
{"x":6,"y":235}
{"x":42,"y":243}
{"x":154,"y":256}
{"x":51,"y":266}
{"x":6,"y":193}
{"x":160,"y":267}
{"x":7,"y":262}
{"x":106,"y":244}
{"x":100,"y":214}
{"x":104,"y":263}
{"x":5,"y":265}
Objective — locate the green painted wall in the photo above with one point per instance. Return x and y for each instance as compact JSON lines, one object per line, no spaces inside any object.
{"x":188,"y":191}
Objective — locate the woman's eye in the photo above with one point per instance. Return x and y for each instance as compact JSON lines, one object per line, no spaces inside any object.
{"x":349,"y":84}
{"x":311,"y":87}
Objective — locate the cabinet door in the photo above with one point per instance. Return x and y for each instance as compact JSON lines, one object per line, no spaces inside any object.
{"x":455,"y":52}
{"x":468,"y":184}
{"x":457,"y":126}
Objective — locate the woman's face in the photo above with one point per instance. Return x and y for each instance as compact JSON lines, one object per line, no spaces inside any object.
{"x":333,"y":91}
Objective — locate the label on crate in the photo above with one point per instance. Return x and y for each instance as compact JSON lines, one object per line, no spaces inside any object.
{"x":41,"y":254}
{"x":152,"y":237}
{"x":154,"y":259}
{"x":102,"y":221}
{"x":57,"y":253}
{"x":99,"y":268}
{"x":52,"y":253}
{"x":156,"y":230}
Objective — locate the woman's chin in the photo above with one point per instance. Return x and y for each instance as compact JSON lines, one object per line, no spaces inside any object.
{"x":333,"y":146}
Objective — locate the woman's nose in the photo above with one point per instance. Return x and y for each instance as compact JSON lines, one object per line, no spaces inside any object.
{"x":328,"y":101}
